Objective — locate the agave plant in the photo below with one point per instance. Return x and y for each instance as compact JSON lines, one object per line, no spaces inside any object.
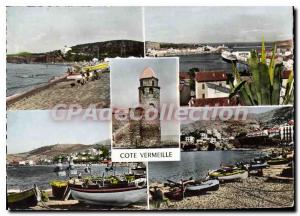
{"x":266,"y":83}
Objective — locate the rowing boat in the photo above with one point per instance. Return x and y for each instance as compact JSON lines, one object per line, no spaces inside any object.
{"x":24,"y":199}
{"x":194,"y":189}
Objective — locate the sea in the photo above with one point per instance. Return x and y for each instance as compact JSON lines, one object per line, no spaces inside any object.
{"x":23,"y":77}
{"x":197,"y":164}
{"x":214,"y":61}
{"x":24,"y":177}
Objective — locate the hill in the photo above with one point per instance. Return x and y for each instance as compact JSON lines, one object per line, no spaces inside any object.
{"x":51,"y":151}
{"x":81,"y":52}
{"x":232,"y":128}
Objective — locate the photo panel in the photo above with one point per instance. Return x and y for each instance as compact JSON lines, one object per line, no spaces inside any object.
{"x":144,"y":96}
{"x":232,"y":158}
{"x":229,"y":56}
{"x":64,"y":57}
{"x":54,"y":163}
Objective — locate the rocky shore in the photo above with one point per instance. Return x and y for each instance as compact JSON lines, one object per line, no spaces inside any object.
{"x":94,"y":92}
{"x":253,"y":192}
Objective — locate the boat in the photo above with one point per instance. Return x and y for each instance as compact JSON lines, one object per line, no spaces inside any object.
{"x":194,"y":189}
{"x":242,"y":56}
{"x":120,"y":194}
{"x":24,"y":199}
{"x":278,"y":161}
{"x":228,"y":56}
{"x":101,"y":66}
{"x":175,"y":194}
{"x":227,"y":174}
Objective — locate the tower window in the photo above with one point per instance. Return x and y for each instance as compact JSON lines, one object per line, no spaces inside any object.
{"x":151,"y":90}
{"x":152,"y":82}
{"x":203,"y":95}
{"x":203,"y":86}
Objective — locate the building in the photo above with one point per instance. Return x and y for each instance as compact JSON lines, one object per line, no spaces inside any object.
{"x":22,"y":163}
{"x":287,"y":132}
{"x":65,"y":49}
{"x":139,"y":132}
{"x":211,"y":84}
{"x":190,"y":139}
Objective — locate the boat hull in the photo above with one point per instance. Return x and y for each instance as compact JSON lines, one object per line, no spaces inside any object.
{"x":229,"y":177}
{"x":119,"y":199}
{"x":176,"y":194}
{"x":194,"y":190}
{"x":23,"y":200}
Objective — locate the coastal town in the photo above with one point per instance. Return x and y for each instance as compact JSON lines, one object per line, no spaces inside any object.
{"x":97,"y":154}
{"x":230,"y":136}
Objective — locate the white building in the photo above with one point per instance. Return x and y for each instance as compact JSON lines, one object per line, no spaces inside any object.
{"x":211,"y":84}
{"x":22,"y":162}
{"x":65,"y":50}
{"x":190,"y":139}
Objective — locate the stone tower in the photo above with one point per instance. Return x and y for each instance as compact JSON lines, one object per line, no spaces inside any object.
{"x":149,"y":91}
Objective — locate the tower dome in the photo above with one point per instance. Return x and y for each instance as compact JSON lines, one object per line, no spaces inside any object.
{"x":148,"y":73}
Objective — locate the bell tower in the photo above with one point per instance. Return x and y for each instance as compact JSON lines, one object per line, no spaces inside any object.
{"x":149,"y":91}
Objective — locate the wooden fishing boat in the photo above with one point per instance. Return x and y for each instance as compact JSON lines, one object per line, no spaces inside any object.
{"x":24,"y":199}
{"x":194,"y":189}
{"x":278,"y":161}
{"x":119,"y":194}
{"x":228,"y":174}
{"x":175,"y":194}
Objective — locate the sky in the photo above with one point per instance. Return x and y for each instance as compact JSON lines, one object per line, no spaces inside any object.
{"x":218,"y":24}
{"x":28,"y":130}
{"x":125,"y":82}
{"x":42,"y":29}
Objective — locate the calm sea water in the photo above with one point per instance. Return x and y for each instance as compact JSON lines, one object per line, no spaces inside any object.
{"x":24,"y":177}
{"x":196,"y":164}
{"x":22,"y":77}
{"x":206,"y":62}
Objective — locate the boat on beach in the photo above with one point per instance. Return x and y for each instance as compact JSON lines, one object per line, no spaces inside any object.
{"x":119,"y":194}
{"x":228,"y":174}
{"x":278,"y":161}
{"x":24,"y":199}
{"x":175,"y":194}
{"x":198,"y":188}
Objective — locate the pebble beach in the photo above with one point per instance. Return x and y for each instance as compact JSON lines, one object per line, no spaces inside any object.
{"x":93,"y":92}
{"x":253,"y":192}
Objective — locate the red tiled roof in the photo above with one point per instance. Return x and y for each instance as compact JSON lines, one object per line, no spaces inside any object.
{"x":148,"y":73}
{"x":285,"y":74}
{"x":207,"y":76}
{"x":201,"y":102}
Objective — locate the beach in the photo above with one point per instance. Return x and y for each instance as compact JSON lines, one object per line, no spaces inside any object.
{"x":93,"y":92}
{"x":253,"y":192}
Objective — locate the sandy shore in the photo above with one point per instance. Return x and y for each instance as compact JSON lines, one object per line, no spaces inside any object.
{"x":93,"y":92}
{"x":253,"y":192}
